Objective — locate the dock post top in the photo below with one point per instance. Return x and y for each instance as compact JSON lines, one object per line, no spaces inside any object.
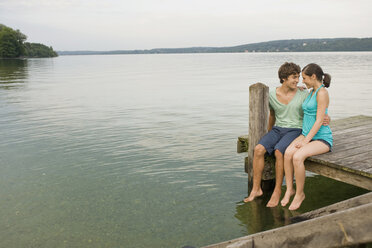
{"x":258,"y":85}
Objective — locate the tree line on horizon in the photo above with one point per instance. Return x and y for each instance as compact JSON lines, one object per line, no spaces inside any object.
{"x":13,"y":45}
{"x":294,"y":45}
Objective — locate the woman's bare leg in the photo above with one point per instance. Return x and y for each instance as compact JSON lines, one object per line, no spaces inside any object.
{"x":288,"y":170}
{"x":310,"y":149}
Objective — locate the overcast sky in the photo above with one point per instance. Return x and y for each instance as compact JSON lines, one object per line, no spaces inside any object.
{"x":146,"y":24}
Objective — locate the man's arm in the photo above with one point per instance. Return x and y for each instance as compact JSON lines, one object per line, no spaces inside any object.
{"x":271,"y":120}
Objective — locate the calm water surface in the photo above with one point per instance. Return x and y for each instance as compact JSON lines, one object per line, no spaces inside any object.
{"x":140,"y":150}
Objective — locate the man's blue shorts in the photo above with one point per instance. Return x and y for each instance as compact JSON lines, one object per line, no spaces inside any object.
{"x":279,"y":138}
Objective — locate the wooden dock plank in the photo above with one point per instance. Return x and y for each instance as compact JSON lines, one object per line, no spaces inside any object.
{"x":341,"y":140}
{"x":351,"y":158}
{"x":363,"y":165}
{"x":339,"y":155}
{"x":342,"y":130}
{"x":347,"y":135}
{"x":343,"y":228}
{"x":348,"y":145}
{"x":349,"y":122}
{"x":347,"y":167}
{"x":344,"y":174}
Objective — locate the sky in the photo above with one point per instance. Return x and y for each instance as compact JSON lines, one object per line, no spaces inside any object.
{"x":102,"y":25}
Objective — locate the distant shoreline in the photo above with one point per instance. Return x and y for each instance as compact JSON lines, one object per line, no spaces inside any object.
{"x":294,"y":45}
{"x":170,"y":53}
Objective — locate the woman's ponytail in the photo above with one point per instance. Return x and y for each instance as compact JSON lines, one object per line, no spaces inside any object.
{"x":326,"y":80}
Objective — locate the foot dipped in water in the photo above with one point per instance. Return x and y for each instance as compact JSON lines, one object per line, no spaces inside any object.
{"x":297,"y":200}
{"x":274,"y":200}
{"x":253,"y":195}
{"x":287,"y":196}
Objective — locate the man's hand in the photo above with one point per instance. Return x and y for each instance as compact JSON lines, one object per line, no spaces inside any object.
{"x":301,"y":87}
{"x":326,"y":120}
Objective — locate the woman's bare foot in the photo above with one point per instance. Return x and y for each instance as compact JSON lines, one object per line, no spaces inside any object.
{"x":274,"y":200}
{"x":287,"y":196}
{"x":297,"y":200}
{"x":253,"y":195}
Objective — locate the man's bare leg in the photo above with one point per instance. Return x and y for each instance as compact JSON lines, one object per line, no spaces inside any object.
{"x":288,"y":169}
{"x":258,"y":166}
{"x":279,"y":171}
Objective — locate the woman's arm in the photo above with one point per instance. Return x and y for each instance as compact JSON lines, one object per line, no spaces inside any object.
{"x":322,"y":99}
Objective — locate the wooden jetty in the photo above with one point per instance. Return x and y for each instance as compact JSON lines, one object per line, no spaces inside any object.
{"x":339,"y":225}
{"x":351,"y":158}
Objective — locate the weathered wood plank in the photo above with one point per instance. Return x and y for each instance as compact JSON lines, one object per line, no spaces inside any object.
{"x":338,"y":154}
{"x":363,"y":165}
{"x":350,"y":122}
{"x":328,"y":163}
{"x":342,"y":140}
{"x":346,"y":175}
{"x":333,"y":230}
{"x":360,"y":166}
{"x":366,"y":127}
{"x":347,"y":146}
{"x":353,"y":159}
{"x":340,"y":206}
{"x":359,"y":133}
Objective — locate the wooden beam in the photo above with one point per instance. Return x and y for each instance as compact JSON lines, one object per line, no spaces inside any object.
{"x":338,"y":174}
{"x":349,"y":227}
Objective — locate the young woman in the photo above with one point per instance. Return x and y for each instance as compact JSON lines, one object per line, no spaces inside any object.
{"x":315,"y":138}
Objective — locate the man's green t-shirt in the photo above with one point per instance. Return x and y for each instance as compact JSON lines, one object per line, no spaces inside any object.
{"x":290,"y":115}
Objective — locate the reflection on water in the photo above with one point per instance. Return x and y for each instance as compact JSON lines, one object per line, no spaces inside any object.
{"x":13,"y":73}
{"x":320,"y":192}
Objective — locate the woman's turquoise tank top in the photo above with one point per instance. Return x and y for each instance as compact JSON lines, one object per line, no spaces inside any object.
{"x":310,"y":106}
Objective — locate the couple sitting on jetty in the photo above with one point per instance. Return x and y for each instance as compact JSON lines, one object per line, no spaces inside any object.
{"x":298,"y":128}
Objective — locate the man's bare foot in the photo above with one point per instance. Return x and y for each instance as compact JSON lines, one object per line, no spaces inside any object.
{"x":274,"y":200}
{"x":287,"y":197}
{"x":297,"y":200}
{"x":253,"y":195}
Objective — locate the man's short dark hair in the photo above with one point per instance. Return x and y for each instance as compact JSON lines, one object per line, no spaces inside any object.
{"x":287,"y":69}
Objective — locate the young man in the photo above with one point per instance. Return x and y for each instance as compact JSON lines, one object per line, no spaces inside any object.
{"x":285,"y":123}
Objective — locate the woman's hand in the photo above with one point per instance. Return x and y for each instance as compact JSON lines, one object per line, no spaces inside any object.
{"x":301,"y":143}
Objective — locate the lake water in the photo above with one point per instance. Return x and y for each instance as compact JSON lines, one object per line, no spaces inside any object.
{"x":140,"y":150}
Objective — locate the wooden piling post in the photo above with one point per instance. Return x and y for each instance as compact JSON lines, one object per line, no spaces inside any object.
{"x":258,"y":122}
